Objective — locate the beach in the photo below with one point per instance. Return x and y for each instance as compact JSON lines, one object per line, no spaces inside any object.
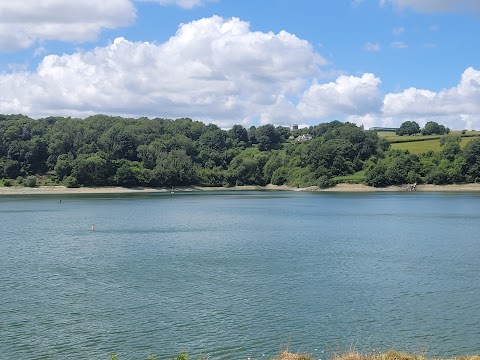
{"x":18,"y":190}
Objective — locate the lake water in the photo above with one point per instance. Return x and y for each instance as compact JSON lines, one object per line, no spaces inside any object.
{"x":232,"y":275}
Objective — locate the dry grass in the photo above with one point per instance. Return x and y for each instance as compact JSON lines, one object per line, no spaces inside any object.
{"x":390,"y":355}
{"x":290,"y":356}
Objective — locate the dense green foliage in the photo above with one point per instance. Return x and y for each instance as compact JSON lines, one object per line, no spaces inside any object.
{"x":109,"y":151}
{"x":408,"y":128}
{"x":433,"y":128}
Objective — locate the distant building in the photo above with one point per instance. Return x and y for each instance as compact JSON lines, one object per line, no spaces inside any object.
{"x":304,"y":137}
{"x":294,"y":127}
{"x":383,"y":129}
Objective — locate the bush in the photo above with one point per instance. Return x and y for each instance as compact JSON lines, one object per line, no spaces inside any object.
{"x":7,"y":183}
{"x":31,"y":181}
{"x":324,"y":182}
{"x":438,"y":177}
{"x":71,"y":182}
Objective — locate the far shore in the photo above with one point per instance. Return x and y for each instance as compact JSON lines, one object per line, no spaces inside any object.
{"x":59,"y":190}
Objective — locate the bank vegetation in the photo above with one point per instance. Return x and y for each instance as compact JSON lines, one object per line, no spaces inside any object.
{"x":105,"y":150}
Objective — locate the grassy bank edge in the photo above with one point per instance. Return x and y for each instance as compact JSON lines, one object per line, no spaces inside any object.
{"x":389,"y":355}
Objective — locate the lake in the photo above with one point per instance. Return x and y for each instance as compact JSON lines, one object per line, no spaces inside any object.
{"x":237,"y":275}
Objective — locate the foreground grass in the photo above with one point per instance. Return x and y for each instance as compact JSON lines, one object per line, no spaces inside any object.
{"x":395,"y":355}
{"x":389,"y":355}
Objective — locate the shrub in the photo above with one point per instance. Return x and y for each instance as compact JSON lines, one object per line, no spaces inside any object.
{"x":71,"y":182}
{"x":31,"y":181}
{"x":325,"y":182}
{"x":7,"y":182}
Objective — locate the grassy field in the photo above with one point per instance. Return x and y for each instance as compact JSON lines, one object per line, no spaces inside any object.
{"x":417,"y":147}
{"x":419,"y":143}
{"x":356,"y":178}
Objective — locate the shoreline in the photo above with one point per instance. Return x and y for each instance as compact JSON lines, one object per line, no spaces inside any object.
{"x":347,"y":188}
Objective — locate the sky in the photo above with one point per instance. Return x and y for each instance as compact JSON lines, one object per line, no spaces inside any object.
{"x":248,"y":62}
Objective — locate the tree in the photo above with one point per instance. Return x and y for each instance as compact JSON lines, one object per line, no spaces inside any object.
{"x":247,"y":167}
{"x":275,"y":161}
{"x":408,"y":128}
{"x":267,"y":137}
{"x":471,"y":153}
{"x":63,"y":167}
{"x":173,"y":168}
{"x":130,"y":173}
{"x":239,"y":135}
{"x":450,"y":147}
{"x":433,"y":128}
{"x":31,"y":181}
{"x":90,"y":169}
{"x":336,"y":155}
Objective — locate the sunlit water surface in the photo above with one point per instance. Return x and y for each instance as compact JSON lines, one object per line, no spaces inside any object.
{"x":232,"y":275}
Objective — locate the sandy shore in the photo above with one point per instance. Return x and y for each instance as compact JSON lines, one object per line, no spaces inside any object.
{"x":15,"y":190}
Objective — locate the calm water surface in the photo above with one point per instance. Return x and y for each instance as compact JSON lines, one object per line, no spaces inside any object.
{"x":232,"y":275}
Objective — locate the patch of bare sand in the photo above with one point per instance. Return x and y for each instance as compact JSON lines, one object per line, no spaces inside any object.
{"x":17,"y":190}
{"x":60,"y":190}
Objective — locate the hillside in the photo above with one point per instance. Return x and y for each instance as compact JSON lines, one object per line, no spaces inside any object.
{"x":422,"y":143}
{"x":114,"y":151}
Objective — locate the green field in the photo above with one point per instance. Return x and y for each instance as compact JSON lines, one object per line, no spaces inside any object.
{"x":417,"y":147}
{"x":356,"y":178}
{"x":419,"y":143}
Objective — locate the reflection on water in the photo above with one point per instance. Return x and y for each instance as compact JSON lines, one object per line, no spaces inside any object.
{"x":234,"y":275}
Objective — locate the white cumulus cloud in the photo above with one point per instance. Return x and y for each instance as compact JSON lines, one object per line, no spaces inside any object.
{"x":346,"y":96}
{"x":457,"y":107}
{"x":186,"y":4}
{"x":463,"y":98}
{"x":213,"y":69}
{"x":22,"y":23}
{"x":218,"y":70}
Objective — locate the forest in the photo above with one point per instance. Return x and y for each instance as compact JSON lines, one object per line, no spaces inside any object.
{"x":103,"y":150}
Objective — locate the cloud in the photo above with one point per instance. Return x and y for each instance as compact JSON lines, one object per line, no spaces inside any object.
{"x":437,"y":6}
{"x":186,"y":4}
{"x":463,"y":98}
{"x":398,"y":30}
{"x":23,"y":23}
{"x":346,"y":96}
{"x":372,"y":47}
{"x":457,"y":107}
{"x":218,"y":70}
{"x":213,"y":69}
{"x":398,"y":45}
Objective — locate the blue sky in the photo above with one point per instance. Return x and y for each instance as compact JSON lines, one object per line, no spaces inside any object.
{"x":372,"y":62}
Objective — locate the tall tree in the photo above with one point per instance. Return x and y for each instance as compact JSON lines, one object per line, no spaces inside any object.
{"x":408,"y":128}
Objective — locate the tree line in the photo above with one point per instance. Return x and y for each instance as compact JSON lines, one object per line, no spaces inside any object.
{"x":106,"y":150}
